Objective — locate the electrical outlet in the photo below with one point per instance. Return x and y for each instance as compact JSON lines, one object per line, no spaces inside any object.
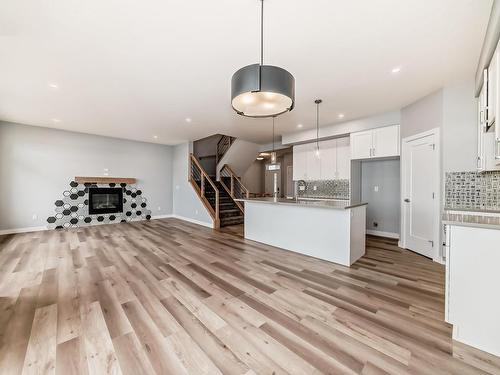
{"x":375,"y":224}
{"x":159,"y":208}
{"x":196,"y":212}
{"x":34,"y":217}
{"x":375,"y":189}
{"x":315,"y":188}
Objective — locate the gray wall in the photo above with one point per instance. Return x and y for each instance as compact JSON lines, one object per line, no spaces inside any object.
{"x":459,"y":131}
{"x":343,"y":128}
{"x":253,"y":178}
{"x":422,"y":115}
{"x":384,"y":205}
{"x":37,"y":164}
{"x":185,"y":201}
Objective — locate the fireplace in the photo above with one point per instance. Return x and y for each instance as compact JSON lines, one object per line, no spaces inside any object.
{"x":105,"y":200}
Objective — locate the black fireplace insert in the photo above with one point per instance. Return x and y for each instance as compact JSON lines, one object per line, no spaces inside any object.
{"x":105,"y":200}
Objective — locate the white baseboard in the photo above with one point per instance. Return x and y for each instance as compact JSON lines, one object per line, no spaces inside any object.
{"x":154,"y":217}
{"x":22,"y":230}
{"x":38,"y":229}
{"x":380,"y":233}
{"x":194,"y":221}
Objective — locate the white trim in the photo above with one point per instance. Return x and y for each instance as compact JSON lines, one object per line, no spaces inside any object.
{"x":38,"y":229}
{"x":161,"y":216}
{"x":194,"y":221}
{"x":380,"y":233}
{"x":22,"y":230}
{"x":438,"y":257}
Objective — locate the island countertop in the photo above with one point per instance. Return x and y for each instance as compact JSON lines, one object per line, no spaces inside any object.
{"x":333,"y":204}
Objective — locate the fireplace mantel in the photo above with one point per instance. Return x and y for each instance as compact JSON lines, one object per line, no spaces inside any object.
{"x":105,"y":180}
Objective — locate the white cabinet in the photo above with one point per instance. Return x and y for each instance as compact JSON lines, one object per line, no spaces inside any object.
{"x":334,"y":160}
{"x":362,"y":145}
{"x":386,"y":142}
{"x":376,"y":143}
{"x":328,"y":159}
{"x":487,"y":144}
{"x":481,"y":125}
{"x":343,"y":158}
{"x":472,"y":280}
{"x":493,"y":88}
{"x":299,"y":163}
{"x":313,"y":166}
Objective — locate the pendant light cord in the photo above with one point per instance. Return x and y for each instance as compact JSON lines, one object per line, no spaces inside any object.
{"x":261,"y":32}
{"x":273,"y":131}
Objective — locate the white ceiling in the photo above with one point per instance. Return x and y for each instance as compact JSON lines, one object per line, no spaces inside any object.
{"x":133,"y":69}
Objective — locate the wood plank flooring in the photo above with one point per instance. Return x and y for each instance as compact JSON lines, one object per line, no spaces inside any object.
{"x":170,"y":297}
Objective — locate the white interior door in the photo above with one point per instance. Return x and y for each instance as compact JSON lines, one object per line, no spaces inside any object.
{"x":421,"y":185}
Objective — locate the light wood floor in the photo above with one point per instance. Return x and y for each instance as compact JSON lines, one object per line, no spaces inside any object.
{"x":169,"y":297}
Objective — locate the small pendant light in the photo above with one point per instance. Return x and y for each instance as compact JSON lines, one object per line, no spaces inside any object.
{"x":273,"y":153}
{"x":260,"y":90}
{"x":318,"y":102}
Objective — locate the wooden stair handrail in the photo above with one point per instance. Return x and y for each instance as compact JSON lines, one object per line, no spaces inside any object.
{"x":200,"y":190}
{"x":225,"y":142}
{"x":230,"y":189}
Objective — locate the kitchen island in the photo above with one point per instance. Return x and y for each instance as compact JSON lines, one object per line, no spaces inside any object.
{"x":332,"y":230}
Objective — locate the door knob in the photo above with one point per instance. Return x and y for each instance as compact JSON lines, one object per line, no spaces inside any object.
{"x":407,"y":200}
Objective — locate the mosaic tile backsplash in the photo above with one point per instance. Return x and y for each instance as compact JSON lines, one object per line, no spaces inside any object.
{"x":330,"y":189}
{"x":472,"y":191}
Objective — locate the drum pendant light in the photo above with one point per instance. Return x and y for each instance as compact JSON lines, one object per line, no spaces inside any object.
{"x":260,"y":90}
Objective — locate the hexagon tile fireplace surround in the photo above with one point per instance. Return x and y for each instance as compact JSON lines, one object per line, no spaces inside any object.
{"x":72,"y":210}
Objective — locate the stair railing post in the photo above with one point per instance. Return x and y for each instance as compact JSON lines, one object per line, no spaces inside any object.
{"x":190,"y":167}
{"x":202,"y":184}
{"x":217,"y":204}
{"x":232,"y":185}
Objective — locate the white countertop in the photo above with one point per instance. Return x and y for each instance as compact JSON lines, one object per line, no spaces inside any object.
{"x":472,"y":219}
{"x":333,"y":204}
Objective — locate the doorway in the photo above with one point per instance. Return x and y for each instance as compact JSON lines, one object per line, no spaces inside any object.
{"x":420,"y":163}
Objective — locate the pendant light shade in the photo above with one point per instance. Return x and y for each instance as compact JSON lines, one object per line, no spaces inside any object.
{"x":260,"y":90}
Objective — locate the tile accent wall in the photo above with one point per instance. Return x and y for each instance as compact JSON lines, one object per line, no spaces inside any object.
{"x":472,"y":191}
{"x":329,"y":189}
{"x":72,"y":211}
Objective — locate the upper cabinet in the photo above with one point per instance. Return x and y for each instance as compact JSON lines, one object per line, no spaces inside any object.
{"x":492,"y":88}
{"x":332,"y":163}
{"x":488,"y":129}
{"x":376,"y":143}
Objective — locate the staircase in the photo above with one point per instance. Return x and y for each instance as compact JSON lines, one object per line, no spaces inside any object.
{"x":217,"y":197}
{"x":229,"y":211}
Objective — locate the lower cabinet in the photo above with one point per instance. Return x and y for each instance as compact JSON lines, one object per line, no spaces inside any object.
{"x":472,"y":286}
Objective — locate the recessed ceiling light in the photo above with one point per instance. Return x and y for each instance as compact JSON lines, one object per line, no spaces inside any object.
{"x":341,"y":115}
{"x":260,"y":158}
{"x":188,"y":119}
{"x":56,"y":120}
{"x":155,"y":136}
{"x":396,"y":70}
{"x":53,"y":85}
{"x":300,"y":126}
